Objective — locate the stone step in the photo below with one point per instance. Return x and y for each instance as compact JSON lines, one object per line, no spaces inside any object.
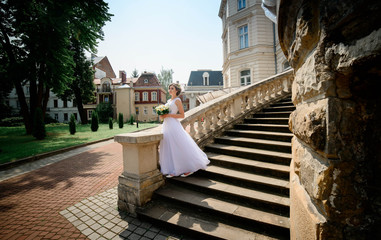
{"x":285,"y":114}
{"x":276,"y":136}
{"x":232,"y":211}
{"x":264,"y":120}
{"x":248,"y":165}
{"x":263,"y":127}
{"x":255,"y":143}
{"x":249,"y":180}
{"x":285,"y":103}
{"x":197,"y":225}
{"x":250,"y":153}
{"x":243,"y":196}
{"x":279,"y":109}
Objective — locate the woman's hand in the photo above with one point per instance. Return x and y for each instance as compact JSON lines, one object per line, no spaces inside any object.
{"x":163,"y":116}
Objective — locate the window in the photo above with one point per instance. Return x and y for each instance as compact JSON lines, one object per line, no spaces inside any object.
{"x":245,"y":78}
{"x":145,"y":110}
{"x":241,"y":4}
{"x":205,"y":77}
{"x":56,"y":116}
{"x":74,"y":104}
{"x":137,"y":110}
{"x":65,"y":104}
{"x":27,"y":90}
{"x":55,"y":103}
{"x":66,"y":118}
{"x":185,"y":106}
{"x":153,"y":96}
{"x":76,"y":116}
{"x":146,"y":80}
{"x":17,"y":103}
{"x":145,"y":96}
{"x":243,"y":37}
{"x":153,"y":111}
{"x":106,"y":98}
{"x":137,"y":98}
{"x":106,"y":87}
{"x":89,"y":113}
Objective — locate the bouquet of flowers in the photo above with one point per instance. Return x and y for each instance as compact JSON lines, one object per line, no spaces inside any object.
{"x":162,"y":109}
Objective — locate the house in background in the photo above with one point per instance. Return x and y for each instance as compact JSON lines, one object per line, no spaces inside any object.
{"x":201,"y":82}
{"x":251,"y":50}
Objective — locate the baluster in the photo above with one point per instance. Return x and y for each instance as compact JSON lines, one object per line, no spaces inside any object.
{"x":221,"y":116}
{"x":200,"y":132}
{"x":192,"y":131}
{"x":250,"y":100}
{"x":215,"y":119}
{"x":229,"y":111}
{"x":207,"y":120}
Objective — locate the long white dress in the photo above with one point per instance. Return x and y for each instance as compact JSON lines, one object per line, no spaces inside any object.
{"x":178,"y":152}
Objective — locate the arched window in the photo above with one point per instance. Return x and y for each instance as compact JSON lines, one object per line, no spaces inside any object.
{"x":286,"y":65}
{"x":205,"y":78}
{"x":106,"y":87}
{"x":245,"y":77}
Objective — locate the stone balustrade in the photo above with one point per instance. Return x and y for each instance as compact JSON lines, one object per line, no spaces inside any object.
{"x":141,"y":177}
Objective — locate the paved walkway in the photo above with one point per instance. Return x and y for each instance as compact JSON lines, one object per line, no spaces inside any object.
{"x":70,"y":196}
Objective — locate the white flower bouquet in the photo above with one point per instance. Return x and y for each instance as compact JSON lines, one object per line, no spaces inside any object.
{"x":162,"y":109}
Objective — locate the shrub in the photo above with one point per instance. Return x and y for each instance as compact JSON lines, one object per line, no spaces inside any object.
{"x":120,"y":120}
{"x":94,"y":122}
{"x":110,"y":123}
{"x":12,"y":122}
{"x":105,"y":111}
{"x":72,"y":127}
{"x":131,"y":120}
{"x":39,"y":131}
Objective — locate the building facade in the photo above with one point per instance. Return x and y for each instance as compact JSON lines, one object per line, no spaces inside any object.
{"x":201,"y":82}
{"x":251,"y":50}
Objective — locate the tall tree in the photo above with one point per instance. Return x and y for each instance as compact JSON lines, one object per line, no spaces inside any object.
{"x":35,"y":37}
{"x":135,"y":73}
{"x":165,"y":78}
{"x":81,"y":89}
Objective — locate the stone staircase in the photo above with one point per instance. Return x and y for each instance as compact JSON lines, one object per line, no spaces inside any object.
{"x":244,"y":192}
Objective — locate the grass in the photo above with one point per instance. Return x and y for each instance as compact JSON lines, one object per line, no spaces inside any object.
{"x":15,"y":144}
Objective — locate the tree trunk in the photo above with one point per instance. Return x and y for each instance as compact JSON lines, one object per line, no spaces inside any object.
{"x":78,"y":99}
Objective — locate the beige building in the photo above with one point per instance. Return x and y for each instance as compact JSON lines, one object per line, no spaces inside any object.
{"x":251,"y":50}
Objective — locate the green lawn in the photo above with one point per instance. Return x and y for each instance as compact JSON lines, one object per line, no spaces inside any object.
{"x":14,"y":144}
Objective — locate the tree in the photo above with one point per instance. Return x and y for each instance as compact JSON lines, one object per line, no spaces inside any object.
{"x":110,"y":123}
{"x":94,"y":122}
{"x":39,"y":131}
{"x":81,"y":89}
{"x":72,"y":127}
{"x":135,"y":73}
{"x":120,"y":120}
{"x":105,"y":111}
{"x":165,"y":78}
{"x":35,"y":39}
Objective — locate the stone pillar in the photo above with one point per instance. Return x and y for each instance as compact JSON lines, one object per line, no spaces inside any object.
{"x":335,"y":49}
{"x":141,"y":176}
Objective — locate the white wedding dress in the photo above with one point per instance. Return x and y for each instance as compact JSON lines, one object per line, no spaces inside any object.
{"x":178,"y":152}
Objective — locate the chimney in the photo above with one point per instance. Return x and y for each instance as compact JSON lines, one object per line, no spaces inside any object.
{"x":124,"y":79}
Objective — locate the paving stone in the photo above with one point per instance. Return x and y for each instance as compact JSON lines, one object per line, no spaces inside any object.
{"x":150,"y":234}
{"x":94,"y":236}
{"x":125,"y":233}
{"x":109,"y":225}
{"x":109,"y":235}
{"x":87,"y":231}
{"x":140,"y":231}
{"x":116,"y":229}
{"x":134,"y":236}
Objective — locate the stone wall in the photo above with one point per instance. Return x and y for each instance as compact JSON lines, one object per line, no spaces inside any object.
{"x":335,"y":50}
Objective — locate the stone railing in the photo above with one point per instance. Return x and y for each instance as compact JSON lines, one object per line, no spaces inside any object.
{"x":141,"y":175}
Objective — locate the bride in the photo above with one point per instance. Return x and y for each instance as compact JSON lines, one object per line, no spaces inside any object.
{"x":179,"y":154}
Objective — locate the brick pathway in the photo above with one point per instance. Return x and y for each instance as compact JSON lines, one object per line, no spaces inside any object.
{"x":35,"y":205}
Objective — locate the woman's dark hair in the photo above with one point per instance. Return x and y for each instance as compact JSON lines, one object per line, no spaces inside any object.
{"x":177,"y":87}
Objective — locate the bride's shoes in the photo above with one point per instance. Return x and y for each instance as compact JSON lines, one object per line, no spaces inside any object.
{"x":186,"y":174}
{"x":169,"y":176}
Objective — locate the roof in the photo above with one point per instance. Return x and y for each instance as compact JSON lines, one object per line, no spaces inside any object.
{"x":115,"y":81}
{"x":196,"y":78}
{"x":151,"y":80}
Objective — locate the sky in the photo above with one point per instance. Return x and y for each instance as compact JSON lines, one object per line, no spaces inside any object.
{"x":182,"y":35}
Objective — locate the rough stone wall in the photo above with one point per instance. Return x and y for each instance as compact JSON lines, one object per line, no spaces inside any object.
{"x":335,"y":50}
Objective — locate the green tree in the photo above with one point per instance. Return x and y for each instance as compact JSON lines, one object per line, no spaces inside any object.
{"x":94,"y":121}
{"x":81,"y":89}
{"x":110,"y":123}
{"x":105,"y":111}
{"x":35,"y":45}
{"x":165,"y":78}
{"x":120,"y":120}
{"x":135,"y":73}
{"x":72,"y":127}
{"x":39,"y":131}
